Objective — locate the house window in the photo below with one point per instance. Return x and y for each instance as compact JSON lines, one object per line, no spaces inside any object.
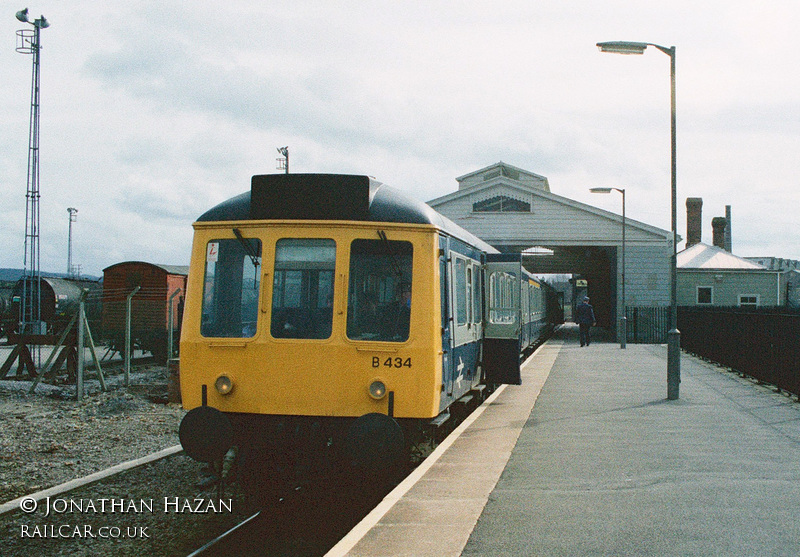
{"x":705,"y":295}
{"x":748,"y":300}
{"x":501,"y":204}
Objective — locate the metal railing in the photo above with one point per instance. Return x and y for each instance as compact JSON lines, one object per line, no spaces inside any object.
{"x":760,"y":343}
{"x":647,"y":325}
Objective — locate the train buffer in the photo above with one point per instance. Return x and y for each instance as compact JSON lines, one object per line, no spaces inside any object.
{"x":588,"y":456}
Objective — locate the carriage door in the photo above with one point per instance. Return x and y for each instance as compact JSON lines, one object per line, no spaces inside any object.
{"x":447,"y":320}
{"x":503,"y":316}
{"x":466,"y":320}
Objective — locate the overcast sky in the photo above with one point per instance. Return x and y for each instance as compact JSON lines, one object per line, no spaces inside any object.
{"x":152,"y":112}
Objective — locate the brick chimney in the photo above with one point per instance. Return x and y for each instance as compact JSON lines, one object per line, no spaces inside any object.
{"x":694,"y":220}
{"x":718,"y":224}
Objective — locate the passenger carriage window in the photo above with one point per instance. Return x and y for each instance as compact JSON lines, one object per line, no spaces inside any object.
{"x":461,"y":292}
{"x":501,"y":298}
{"x":302,"y":292}
{"x":477,"y":313}
{"x":230,"y":289}
{"x":380,"y":290}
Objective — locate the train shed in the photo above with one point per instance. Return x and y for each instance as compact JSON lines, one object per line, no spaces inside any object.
{"x":515,"y":211}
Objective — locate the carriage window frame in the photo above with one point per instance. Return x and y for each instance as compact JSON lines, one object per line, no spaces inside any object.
{"x":501,"y":298}
{"x":477,"y":302}
{"x":461,"y":292}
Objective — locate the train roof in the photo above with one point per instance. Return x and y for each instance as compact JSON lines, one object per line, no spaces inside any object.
{"x":332,"y":197}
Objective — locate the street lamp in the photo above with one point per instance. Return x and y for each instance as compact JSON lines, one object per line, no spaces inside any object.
{"x":623,"y":321}
{"x":673,"y":336}
{"x":73,"y":216}
{"x":284,"y":162}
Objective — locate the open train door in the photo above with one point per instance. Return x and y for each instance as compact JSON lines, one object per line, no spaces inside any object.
{"x":501,"y":335}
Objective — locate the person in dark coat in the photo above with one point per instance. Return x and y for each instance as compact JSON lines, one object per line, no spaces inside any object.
{"x":584,"y":317}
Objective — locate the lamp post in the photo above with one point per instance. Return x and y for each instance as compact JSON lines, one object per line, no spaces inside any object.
{"x":623,"y":321}
{"x":73,"y":216}
{"x":284,"y":162}
{"x":673,"y":336}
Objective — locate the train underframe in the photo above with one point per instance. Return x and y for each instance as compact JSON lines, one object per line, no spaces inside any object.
{"x":277,"y":453}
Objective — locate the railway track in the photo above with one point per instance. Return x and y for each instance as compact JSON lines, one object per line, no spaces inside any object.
{"x":156,"y":498}
{"x":303,"y":523}
{"x":20,"y":503}
{"x":148,"y":506}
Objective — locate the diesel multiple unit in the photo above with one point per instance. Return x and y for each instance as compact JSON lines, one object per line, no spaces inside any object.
{"x":332,"y":319}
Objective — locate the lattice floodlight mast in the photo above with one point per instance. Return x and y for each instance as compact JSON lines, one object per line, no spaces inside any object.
{"x":30,"y":308}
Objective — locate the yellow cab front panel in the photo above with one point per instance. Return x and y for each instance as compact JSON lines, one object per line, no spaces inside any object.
{"x":302,"y":317}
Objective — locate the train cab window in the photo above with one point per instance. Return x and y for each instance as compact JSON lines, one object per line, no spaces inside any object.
{"x":230,"y":289}
{"x":302,"y":292}
{"x":380,"y":290}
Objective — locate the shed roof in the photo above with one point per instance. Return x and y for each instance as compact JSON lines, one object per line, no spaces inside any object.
{"x":169,"y":269}
{"x":547,"y":230}
{"x":502,"y":169}
{"x":702,"y":256}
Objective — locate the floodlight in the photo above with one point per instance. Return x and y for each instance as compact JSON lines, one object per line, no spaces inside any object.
{"x":22,"y":15}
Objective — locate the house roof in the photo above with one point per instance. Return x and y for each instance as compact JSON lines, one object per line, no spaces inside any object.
{"x":702,"y":256}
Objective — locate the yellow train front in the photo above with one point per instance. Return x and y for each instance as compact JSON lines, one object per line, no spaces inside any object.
{"x":328,"y":320}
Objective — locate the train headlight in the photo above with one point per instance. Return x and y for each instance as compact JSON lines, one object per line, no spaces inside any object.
{"x":377,"y":389}
{"x":223,"y":384}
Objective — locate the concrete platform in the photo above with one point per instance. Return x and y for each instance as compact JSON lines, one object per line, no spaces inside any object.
{"x":603,"y":464}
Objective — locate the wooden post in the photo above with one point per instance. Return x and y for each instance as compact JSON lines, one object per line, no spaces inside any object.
{"x":81,"y":321}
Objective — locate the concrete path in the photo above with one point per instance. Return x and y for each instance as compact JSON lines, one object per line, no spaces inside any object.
{"x":607,"y":466}
{"x":603,"y":464}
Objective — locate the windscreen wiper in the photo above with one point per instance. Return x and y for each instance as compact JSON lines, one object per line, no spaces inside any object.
{"x":390,"y":252}
{"x":248,"y":248}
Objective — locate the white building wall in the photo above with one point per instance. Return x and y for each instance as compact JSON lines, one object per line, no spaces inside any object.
{"x":728,"y":285}
{"x":647,"y":281}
